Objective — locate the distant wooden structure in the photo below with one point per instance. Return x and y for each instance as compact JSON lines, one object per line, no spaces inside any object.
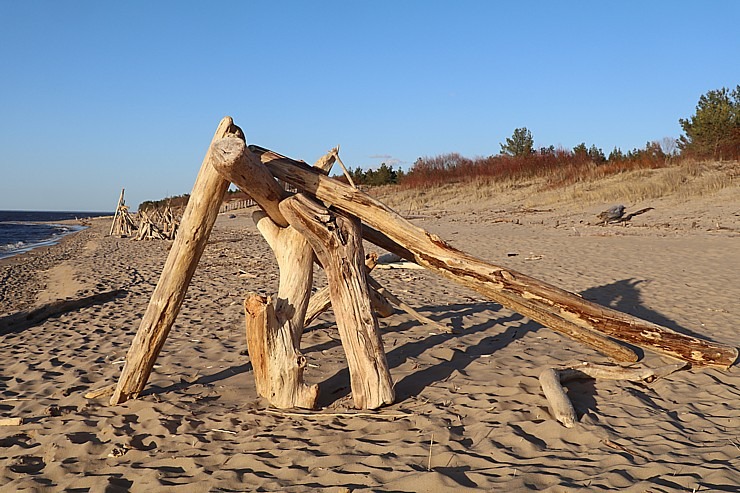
{"x":149,"y":228}
{"x":123,"y":224}
{"x":329,"y":219}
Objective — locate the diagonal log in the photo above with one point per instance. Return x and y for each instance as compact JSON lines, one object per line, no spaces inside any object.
{"x":551,"y":306}
{"x":187,"y":248}
{"x":335,"y":238}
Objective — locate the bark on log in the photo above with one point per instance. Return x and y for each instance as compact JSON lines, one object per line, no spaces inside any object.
{"x":278,"y":367}
{"x":553,"y":307}
{"x":187,"y":248}
{"x":335,"y":237}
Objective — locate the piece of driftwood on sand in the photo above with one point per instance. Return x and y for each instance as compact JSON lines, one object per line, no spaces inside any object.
{"x":552,"y":380}
{"x":332,"y":229}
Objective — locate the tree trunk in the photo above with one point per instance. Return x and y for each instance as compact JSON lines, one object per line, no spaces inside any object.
{"x":278,"y":367}
{"x":556,"y":308}
{"x":278,"y":338}
{"x":335,"y":237}
{"x":187,"y":248}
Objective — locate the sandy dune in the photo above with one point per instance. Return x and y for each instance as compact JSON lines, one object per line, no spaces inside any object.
{"x":470,"y":415}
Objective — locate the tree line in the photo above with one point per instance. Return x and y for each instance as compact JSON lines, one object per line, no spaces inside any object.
{"x":712,"y":132}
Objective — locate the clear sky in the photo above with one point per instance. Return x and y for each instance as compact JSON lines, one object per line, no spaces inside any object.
{"x":96,"y":96}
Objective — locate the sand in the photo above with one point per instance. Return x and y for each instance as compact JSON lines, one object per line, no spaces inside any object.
{"x":469,"y":416}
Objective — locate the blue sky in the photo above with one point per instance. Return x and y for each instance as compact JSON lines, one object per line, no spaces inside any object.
{"x":96,"y":96}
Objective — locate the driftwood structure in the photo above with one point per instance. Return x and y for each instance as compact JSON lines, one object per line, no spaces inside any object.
{"x":325,"y":221}
{"x":149,"y":230}
{"x":123,"y":224}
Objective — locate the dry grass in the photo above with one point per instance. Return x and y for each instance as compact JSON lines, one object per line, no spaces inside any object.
{"x":681,"y":181}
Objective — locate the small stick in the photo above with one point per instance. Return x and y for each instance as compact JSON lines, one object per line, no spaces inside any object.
{"x":551,"y":381}
{"x":431,"y":442}
{"x":346,"y":173}
{"x":101,"y":392}
{"x":224,"y":431}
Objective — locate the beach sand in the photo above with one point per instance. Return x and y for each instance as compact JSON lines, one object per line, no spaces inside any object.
{"x":470,"y":414}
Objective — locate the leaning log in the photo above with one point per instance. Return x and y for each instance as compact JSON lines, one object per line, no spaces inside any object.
{"x":187,"y":248}
{"x":335,"y":237}
{"x":551,"y":306}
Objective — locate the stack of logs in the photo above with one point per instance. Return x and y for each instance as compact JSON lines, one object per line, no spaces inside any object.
{"x":148,"y":229}
{"x":327,"y":221}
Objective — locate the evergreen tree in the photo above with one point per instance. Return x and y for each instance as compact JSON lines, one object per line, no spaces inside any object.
{"x":520,"y":143}
{"x":714,"y":131}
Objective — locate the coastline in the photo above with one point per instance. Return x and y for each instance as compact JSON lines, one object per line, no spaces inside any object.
{"x":472,"y":414}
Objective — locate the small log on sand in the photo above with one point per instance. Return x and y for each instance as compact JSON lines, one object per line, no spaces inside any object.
{"x":187,"y":248}
{"x":565,"y":312}
{"x":335,"y":237}
{"x":552,"y":379}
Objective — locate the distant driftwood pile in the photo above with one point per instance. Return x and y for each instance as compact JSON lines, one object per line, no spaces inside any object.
{"x":148,"y":228}
{"x":327,"y":220}
{"x":122,"y":225}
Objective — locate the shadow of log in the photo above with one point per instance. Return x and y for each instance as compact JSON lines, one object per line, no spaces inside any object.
{"x":625,"y":297}
{"x":21,"y":321}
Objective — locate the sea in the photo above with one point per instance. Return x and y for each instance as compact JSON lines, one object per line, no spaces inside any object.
{"x":21,"y":231}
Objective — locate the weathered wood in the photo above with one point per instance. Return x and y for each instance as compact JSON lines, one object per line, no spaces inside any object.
{"x":278,"y":342}
{"x":553,"y":307}
{"x":115,"y":214}
{"x":187,"y":248}
{"x":278,"y":367}
{"x":562,"y":408}
{"x":321,"y":300}
{"x":335,"y":237}
{"x":551,"y":381}
{"x":325,"y":162}
{"x":101,"y":392}
{"x":295,"y":262}
{"x":243,"y":169}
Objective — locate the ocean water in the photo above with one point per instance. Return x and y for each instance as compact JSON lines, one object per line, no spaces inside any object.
{"x":21,"y":231}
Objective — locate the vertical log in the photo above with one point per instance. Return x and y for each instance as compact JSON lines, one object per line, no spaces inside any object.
{"x":337,"y":241}
{"x":164,"y":305}
{"x":115,"y":215}
{"x":274,"y":343}
{"x":278,"y":367}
